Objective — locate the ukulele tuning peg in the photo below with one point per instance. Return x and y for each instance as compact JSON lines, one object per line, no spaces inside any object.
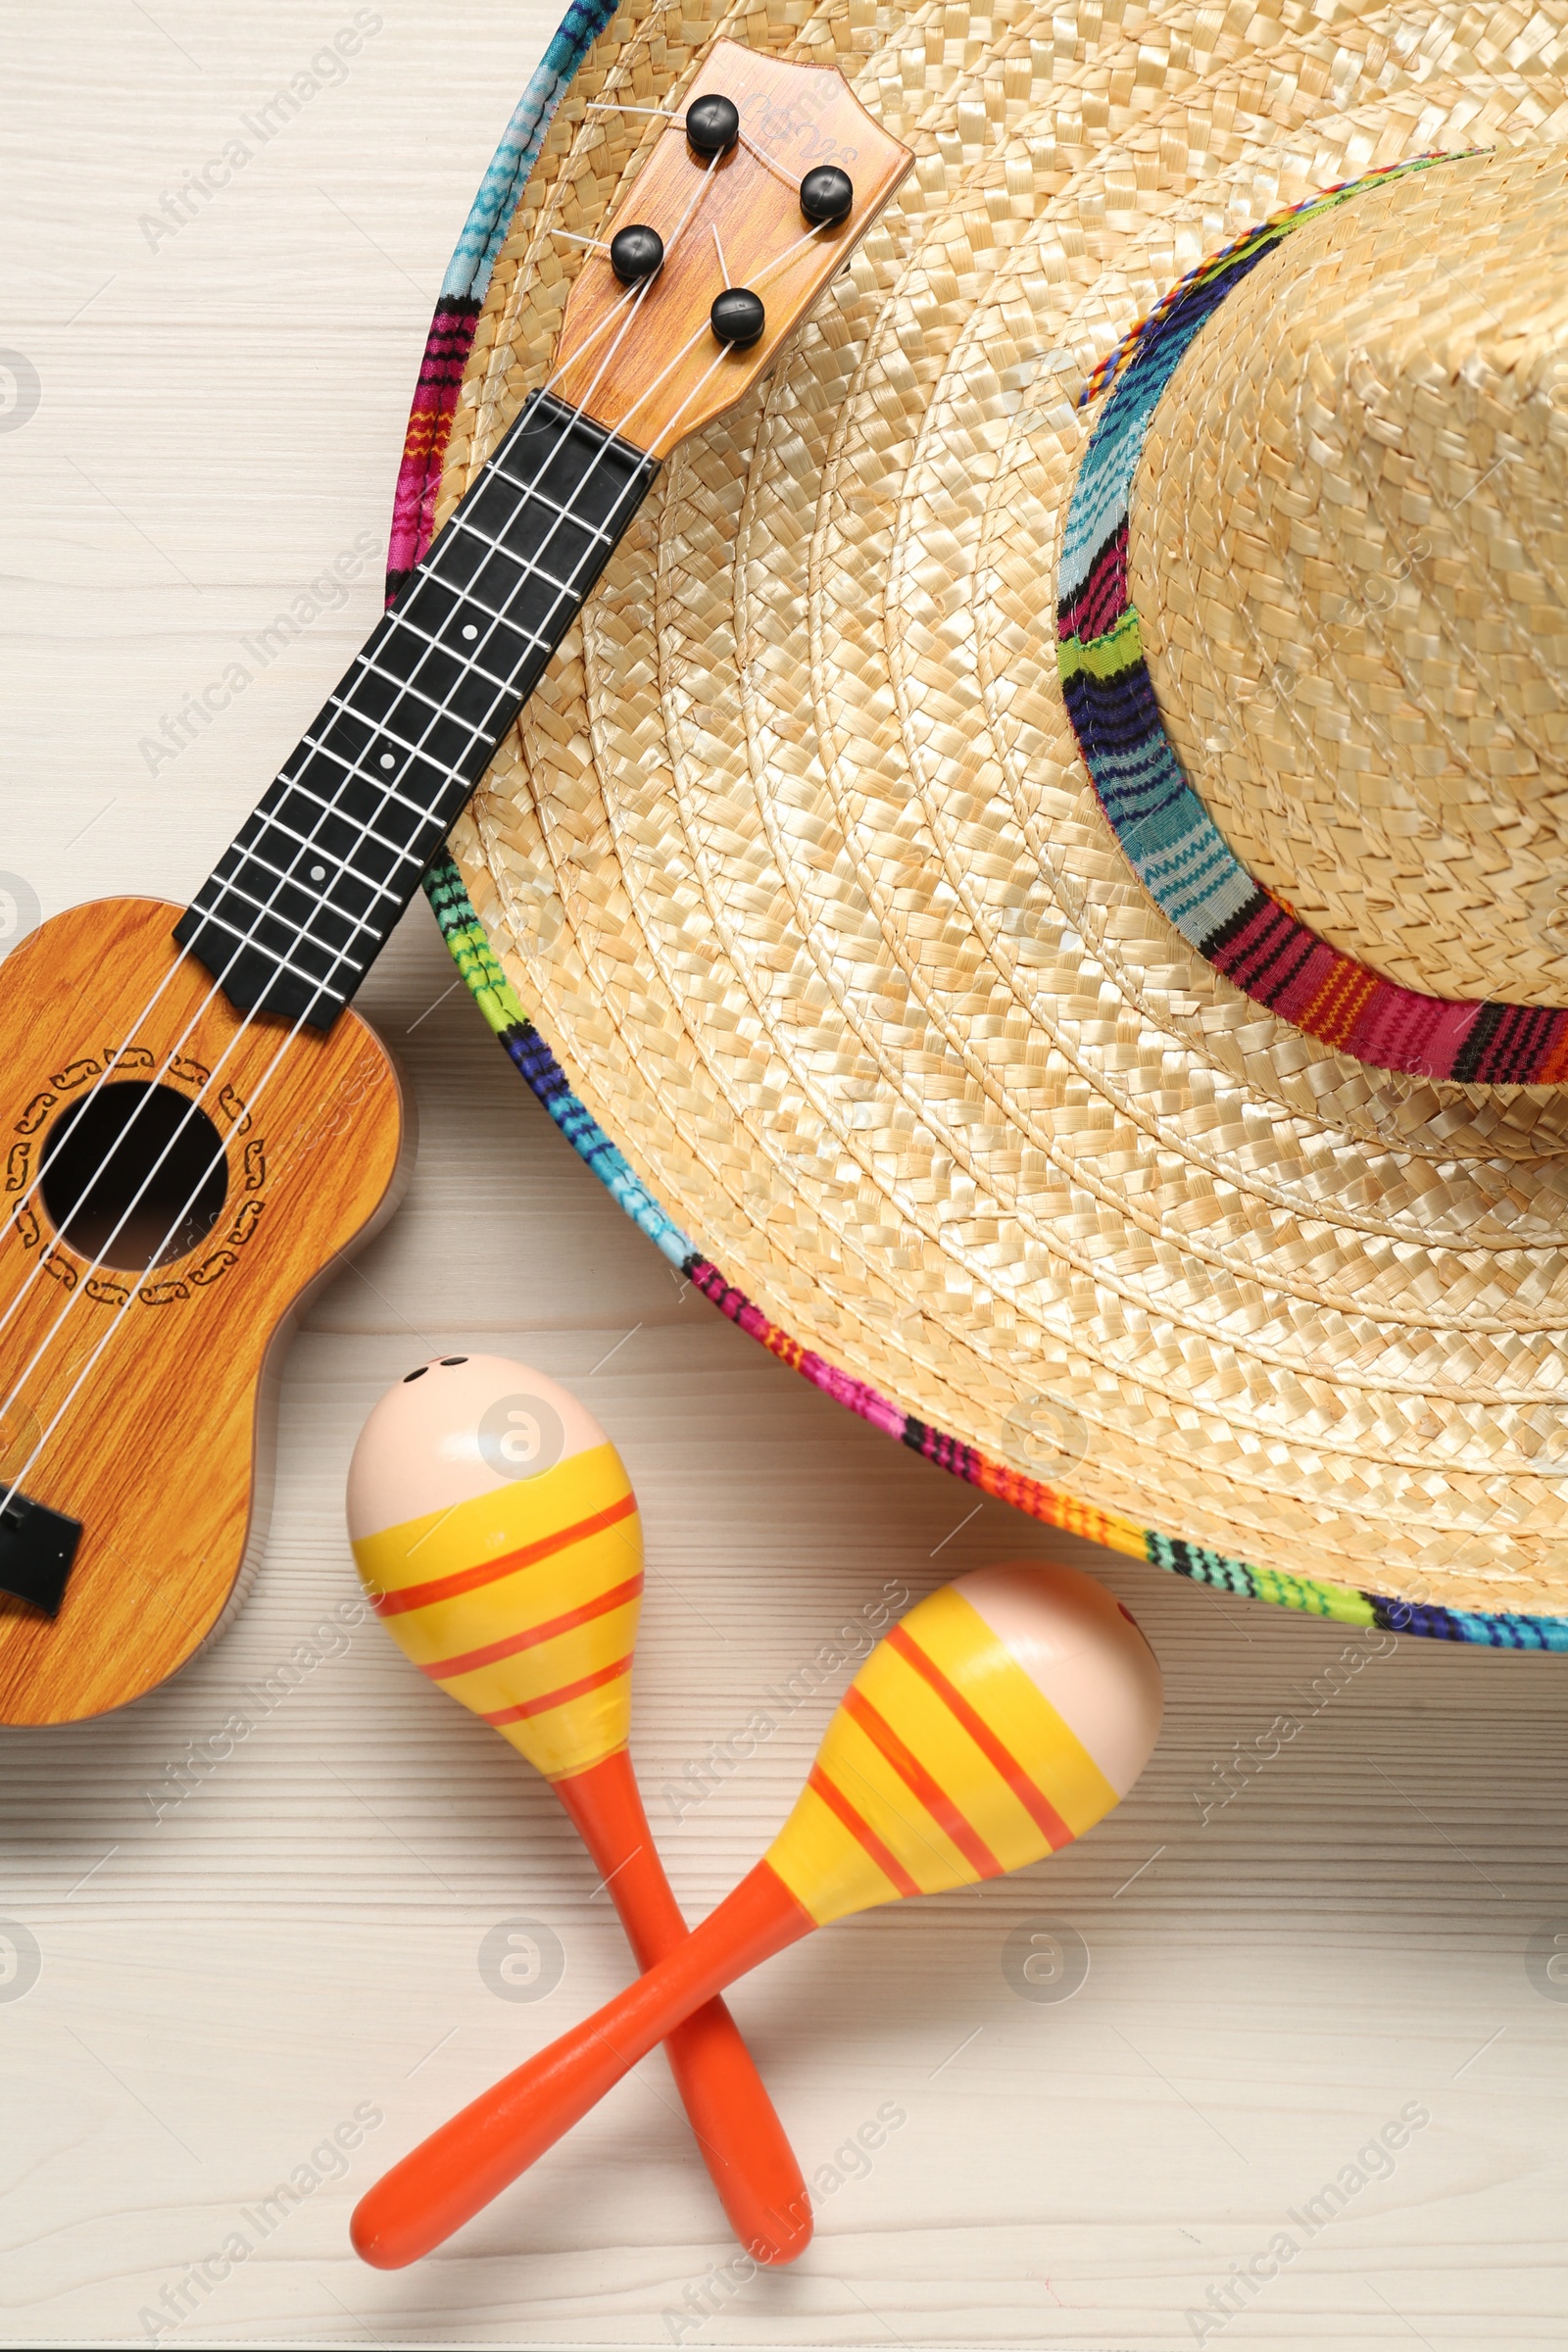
{"x":712,"y":124}
{"x":826,"y":195}
{"x":635,"y":253}
{"x":764,"y":143}
{"x":738,"y":317}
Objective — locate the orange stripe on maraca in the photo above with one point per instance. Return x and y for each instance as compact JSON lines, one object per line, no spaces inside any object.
{"x":616,"y":1598}
{"x":954,"y":1765}
{"x":522,"y":1602}
{"x":489,"y":1536}
{"x":920,"y":1783}
{"x":526,"y":1556}
{"x":823,"y":1862}
{"x":1034,"y":1800}
{"x":929,"y":1727}
{"x":529,"y":1708}
{"x":554,"y":1665}
{"x":1014,"y":1712}
{"x":598,"y":1550}
{"x":862,"y":1832}
{"x":852,"y":1760}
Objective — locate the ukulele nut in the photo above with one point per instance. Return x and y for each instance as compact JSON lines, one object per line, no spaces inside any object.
{"x":635,"y":253}
{"x":738,"y":317}
{"x":826,"y":195}
{"x":712,"y":124}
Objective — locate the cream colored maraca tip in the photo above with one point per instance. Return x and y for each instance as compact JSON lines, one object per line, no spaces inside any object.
{"x":1082,"y":1651}
{"x":457,"y":1427}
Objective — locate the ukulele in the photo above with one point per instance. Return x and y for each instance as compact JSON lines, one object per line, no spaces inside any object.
{"x":195,"y":1126}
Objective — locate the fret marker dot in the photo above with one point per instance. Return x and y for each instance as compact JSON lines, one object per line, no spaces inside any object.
{"x":387,"y":759}
{"x":317,"y":873}
{"x":469,"y":630}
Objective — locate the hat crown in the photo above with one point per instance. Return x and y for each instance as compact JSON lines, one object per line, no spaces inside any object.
{"x":1347,"y":552}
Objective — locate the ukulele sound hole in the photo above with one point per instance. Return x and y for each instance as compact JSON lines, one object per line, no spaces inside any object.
{"x":139,"y":1157}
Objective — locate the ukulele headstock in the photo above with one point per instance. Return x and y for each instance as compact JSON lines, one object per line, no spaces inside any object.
{"x":643,"y":353}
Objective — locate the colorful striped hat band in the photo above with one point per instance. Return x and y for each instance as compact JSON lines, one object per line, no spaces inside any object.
{"x":1311,"y":620}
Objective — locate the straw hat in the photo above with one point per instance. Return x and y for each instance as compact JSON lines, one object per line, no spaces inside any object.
{"x":1038,"y":876}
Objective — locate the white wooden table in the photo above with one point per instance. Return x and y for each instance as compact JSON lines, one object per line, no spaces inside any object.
{"x":222,"y":1982}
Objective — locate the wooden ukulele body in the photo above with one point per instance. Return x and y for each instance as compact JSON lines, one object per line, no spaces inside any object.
{"x":163,"y":1451}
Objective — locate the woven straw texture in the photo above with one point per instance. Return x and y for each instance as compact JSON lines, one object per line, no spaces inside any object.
{"x":794,"y":864}
{"x":1348,"y":555}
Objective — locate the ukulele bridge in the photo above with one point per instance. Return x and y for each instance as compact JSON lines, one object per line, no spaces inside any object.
{"x":36,"y":1548}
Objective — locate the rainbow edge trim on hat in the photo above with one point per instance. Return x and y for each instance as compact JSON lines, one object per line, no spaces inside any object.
{"x":435,"y":401}
{"x":1165,"y":833}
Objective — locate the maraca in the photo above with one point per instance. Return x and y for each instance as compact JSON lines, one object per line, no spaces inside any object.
{"x":497,"y":1534}
{"x":999,"y":1721}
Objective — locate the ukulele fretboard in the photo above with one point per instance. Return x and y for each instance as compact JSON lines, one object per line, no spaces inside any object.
{"x":302,"y":901}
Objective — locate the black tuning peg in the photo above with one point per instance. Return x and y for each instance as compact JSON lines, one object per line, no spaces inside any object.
{"x":635,"y":253}
{"x":737,"y":317}
{"x":712,"y":124}
{"x":826,"y":195}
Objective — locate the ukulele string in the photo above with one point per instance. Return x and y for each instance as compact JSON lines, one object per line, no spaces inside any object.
{"x":615,"y":106}
{"x":569,"y":512}
{"x":248,"y":1022}
{"x":791,"y":180}
{"x":309,"y":842}
{"x":187,"y":1207}
{"x":311,"y":839}
{"x":118,"y":1317}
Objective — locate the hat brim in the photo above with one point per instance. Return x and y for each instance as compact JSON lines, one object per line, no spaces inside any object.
{"x":867,"y":1358}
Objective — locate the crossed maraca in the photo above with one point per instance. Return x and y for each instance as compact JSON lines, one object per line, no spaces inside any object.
{"x":497,"y":1533}
{"x":1000,"y":1719}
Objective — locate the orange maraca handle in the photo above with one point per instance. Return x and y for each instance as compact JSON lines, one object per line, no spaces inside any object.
{"x":450,"y":2176}
{"x":738,"y":2131}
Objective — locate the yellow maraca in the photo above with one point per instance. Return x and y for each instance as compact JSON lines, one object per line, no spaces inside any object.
{"x":497,"y":1534}
{"x":1004,"y":1717}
